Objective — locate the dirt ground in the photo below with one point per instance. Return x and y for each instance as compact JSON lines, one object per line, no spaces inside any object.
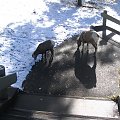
{"x":72,"y":74}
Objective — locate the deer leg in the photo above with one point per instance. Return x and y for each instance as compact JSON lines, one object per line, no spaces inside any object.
{"x":82,"y":47}
{"x":79,"y":44}
{"x":45,"y":58}
{"x":95,"y":63}
{"x":95,"y":46}
{"x":87,"y":47}
{"x":42,"y":57}
{"x":51,"y":57}
{"x":87,"y":52}
{"x":95,"y":52}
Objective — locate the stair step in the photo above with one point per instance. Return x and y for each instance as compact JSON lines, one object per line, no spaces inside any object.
{"x":35,"y":107}
{"x":18,"y":114}
{"x":13,"y":117}
{"x":64,"y":106}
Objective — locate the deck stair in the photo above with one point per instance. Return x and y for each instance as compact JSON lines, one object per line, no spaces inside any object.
{"x":36,"y":107}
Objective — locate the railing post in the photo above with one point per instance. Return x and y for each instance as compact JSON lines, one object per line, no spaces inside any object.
{"x":79,"y":2}
{"x":3,"y":93}
{"x":104,"y":26}
{"x":2,"y":71}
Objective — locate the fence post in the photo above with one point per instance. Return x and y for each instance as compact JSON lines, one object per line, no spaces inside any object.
{"x":79,"y":2}
{"x":104,"y":26}
{"x":3,"y":93}
{"x":2,"y":71}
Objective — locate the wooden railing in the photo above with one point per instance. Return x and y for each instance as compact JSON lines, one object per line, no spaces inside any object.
{"x":8,"y":94}
{"x":104,"y":27}
{"x":5,"y":82}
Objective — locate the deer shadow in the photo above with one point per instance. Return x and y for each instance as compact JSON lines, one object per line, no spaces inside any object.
{"x":83,"y":71}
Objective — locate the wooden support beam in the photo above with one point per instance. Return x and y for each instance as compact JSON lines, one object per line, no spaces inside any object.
{"x":109,"y":36}
{"x":106,"y":16}
{"x":113,"y":30}
{"x":104,"y":25}
{"x":5,"y":82}
{"x":79,"y":2}
{"x":97,"y":28}
{"x":8,"y":80}
{"x":2,"y":71}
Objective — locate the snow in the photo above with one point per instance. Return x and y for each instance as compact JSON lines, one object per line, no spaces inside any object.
{"x":26,"y":23}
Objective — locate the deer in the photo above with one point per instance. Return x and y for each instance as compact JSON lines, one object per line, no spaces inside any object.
{"x":43,"y":48}
{"x":89,"y":36}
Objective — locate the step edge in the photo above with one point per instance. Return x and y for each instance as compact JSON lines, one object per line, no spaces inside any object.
{"x":62,"y":114}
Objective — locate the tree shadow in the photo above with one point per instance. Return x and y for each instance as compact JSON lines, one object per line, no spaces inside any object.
{"x":83,"y":71}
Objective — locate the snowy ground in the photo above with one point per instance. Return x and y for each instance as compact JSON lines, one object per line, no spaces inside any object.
{"x":26,"y":23}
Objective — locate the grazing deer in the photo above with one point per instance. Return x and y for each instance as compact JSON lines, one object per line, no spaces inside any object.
{"x":88,"y":37}
{"x":43,"y":48}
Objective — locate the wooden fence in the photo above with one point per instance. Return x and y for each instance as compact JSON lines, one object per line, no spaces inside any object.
{"x":104,"y":26}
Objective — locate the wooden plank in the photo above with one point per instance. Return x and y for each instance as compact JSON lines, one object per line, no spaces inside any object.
{"x":8,"y":80}
{"x":79,"y":2}
{"x":114,"y":43}
{"x":106,"y":16}
{"x":109,"y":36}
{"x":104,"y":19}
{"x":105,"y":109}
{"x":104,"y":25}
{"x":113,"y":30}
{"x":12,"y":95}
{"x":98,"y":28}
